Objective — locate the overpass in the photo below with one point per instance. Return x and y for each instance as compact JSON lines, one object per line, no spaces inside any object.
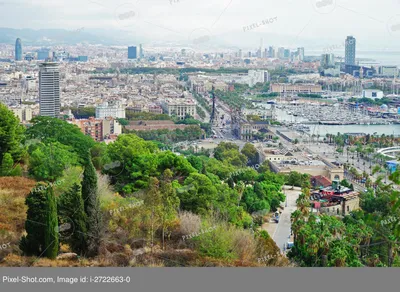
{"x":390,"y":151}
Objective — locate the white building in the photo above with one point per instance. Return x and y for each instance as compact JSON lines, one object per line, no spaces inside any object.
{"x":49,"y":89}
{"x":372,"y":93}
{"x":30,"y":83}
{"x":179,"y":107}
{"x":257,"y":76}
{"x":105,"y":110}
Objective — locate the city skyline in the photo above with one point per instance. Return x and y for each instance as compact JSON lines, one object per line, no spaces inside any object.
{"x":292,"y":23}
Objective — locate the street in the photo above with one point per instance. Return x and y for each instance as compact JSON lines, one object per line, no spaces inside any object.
{"x":282,"y":231}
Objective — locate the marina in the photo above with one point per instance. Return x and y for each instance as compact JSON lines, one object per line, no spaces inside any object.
{"x":335,"y":114}
{"x":336,"y":118}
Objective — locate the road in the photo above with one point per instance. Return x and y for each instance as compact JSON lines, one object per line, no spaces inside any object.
{"x":282,"y":231}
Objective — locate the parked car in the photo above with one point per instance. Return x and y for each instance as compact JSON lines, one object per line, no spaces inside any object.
{"x":276,"y":217}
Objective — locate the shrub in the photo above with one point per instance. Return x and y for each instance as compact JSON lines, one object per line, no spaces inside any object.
{"x":217,"y":243}
{"x":244,"y":244}
{"x":190,"y":223}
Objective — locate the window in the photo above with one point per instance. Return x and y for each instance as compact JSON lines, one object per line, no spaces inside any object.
{"x":348,"y":208}
{"x":337,"y":211}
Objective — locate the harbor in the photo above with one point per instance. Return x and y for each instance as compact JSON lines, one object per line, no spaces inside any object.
{"x":335,"y":114}
{"x":320,"y":119}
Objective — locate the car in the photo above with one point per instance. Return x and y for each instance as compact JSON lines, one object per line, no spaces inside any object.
{"x":289,"y":244}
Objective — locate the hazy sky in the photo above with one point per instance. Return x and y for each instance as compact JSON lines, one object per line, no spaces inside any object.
{"x":372,"y":22}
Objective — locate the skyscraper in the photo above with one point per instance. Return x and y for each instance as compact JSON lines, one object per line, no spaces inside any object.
{"x":350,"y":51}
{"x":327,"y":61}
{"x":300,"y":53}
{"x":271,"y":52}
{"x":281,"y":52}
{"x":286,"y":54}
{"x":132,"y":52}
{"x":141,"y":54}
{"x":49,"y":89}
{"x":18,"y":50}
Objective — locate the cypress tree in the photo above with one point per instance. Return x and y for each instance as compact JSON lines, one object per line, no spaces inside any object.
{"x":89,"y":185}
{"x":92,"y":207}
{"x":51,"y":230}
{"x":33,"y":243}
{"x":71,"y":208}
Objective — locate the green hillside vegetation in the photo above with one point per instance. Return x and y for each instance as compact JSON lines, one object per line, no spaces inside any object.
{"x":128,"y":203}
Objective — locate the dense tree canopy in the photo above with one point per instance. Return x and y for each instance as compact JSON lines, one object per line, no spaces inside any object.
{"x":11,"y":134}
{"x":48,"y":129}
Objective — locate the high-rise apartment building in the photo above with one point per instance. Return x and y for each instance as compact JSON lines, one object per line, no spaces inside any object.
{"x":327,"y":61}
{"x":49,"y":89}
{"x":141,"y":54}
{"x":281,"y":52}
{"x":350,"y":51}
{"x":300,"y":53}
{"x":18,"y":50}
{"x":286,"y":54}
{"x":265,"y":54}
{"x":132,"y":52}
{"x":271,"y":52}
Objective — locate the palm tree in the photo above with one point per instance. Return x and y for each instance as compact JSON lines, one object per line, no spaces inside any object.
{"x":303,"y":204}
{"x":297,"y":223}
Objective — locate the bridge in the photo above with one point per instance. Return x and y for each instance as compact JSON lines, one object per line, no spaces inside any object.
{"x":390,"y":151}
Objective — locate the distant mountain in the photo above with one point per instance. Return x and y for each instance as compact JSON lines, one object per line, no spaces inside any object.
{"x":42,"y":37}
{"x":198,"y":39}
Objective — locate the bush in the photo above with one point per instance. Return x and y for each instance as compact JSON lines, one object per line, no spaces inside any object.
{"x":190,"y":223}
{"x":244,"y":244}
{"x":216,"y":244}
